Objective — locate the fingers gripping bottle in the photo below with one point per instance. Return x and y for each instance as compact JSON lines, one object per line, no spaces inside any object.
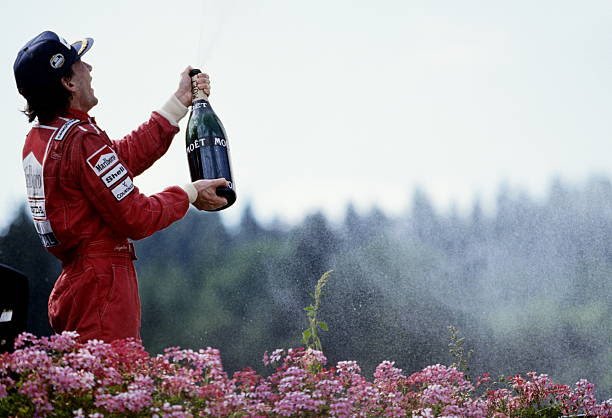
{"x":207,"y":145}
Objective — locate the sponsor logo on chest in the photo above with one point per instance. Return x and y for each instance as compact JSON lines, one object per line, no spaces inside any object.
{"x":105,"y":163}
{"x":114,"y":175}
{"x":102,"y":160}
{"x":123,"y":189}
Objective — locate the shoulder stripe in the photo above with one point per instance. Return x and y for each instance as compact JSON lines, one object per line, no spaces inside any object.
{"x":61,"y":132}
{"x":93,"y":125}
{"x":44,"y":127}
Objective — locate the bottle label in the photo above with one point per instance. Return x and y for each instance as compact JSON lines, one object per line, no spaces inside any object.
{"x":207,"y":142}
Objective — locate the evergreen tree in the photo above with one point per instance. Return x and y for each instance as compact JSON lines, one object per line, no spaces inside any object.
{"x":249,"y":227}
{"x":424,"y":218}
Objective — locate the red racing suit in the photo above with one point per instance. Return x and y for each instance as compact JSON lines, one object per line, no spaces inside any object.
{"x":85,"y":207}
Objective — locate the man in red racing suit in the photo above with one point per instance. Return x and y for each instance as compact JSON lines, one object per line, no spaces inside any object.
{"x":81,"y":193}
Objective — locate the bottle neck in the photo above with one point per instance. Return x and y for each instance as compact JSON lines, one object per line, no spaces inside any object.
{"x":196,"y":93}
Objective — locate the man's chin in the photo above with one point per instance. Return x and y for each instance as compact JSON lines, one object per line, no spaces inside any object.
{"x":91,"y":104}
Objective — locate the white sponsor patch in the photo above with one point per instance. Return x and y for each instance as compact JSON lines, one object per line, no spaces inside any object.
{"x":45,"y":232}
{"x":37,"y":207}
{"x":124,"y":189}
{"x":63,"y":130}
{"x":114,"y":175}
{"x":43,"y":227}
{"x":103,"y":159}
{"x":35,"y":185}
{"x":33,"y":171}
{"x":6,"y":316}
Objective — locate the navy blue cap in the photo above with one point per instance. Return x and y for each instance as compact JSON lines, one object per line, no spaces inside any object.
{"x":46,"y":58}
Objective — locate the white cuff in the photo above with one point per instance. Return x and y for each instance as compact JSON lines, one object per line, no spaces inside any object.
{"x":173,"y":110}
{"x":191,"y":192}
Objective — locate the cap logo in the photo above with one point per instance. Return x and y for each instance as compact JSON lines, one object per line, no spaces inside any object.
{"x":57,"y":61}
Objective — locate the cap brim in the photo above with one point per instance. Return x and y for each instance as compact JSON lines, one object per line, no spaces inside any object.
{"x":82,"y":46}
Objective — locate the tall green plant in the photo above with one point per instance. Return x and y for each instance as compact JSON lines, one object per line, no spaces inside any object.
{"x":310,"y":336}
{"x":457,"y":351}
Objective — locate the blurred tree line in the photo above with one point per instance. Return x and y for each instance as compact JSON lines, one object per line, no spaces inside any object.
{"x":528,"y":286}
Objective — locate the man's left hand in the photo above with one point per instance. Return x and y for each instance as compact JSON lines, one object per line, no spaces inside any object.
{"x":183,"y":93}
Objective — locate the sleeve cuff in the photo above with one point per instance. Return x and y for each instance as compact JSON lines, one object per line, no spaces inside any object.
{"x":191,"y":192}
{"x":173,"y":110}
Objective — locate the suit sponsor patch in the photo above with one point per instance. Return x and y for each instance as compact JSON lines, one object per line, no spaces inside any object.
{"x":102,"y":160}
{"x":63,"y":130}
{"x":37,"y":208}
{"x":35,"y":185}
{"x":114,"y":175}
{"x":123,"y":189}
{"x":45,"y":232}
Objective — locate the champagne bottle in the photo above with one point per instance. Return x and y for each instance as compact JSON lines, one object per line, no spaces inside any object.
{"x":207,"y":144}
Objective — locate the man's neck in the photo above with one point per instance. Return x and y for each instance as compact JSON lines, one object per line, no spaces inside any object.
{"x":77,"y":113}
{"x":79,"y":106}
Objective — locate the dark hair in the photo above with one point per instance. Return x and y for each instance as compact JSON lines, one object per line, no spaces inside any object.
{"x":48,"y":102}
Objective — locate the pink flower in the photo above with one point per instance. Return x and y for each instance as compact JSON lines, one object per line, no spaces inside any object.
{"x":64,"y":379}
{"x":37,"y":393}
{"x":394,"y":411}
{"x":23,"y":339}
{"x":136,"y":399}
{"x":292,"y":379}
{"x":328,"y":388}
{"x":65,"y":341}
{"x":30,"y":359}
{"x":386,"y":371}
{"x":438,"y":394}
{"x":96,"y":379}
{"x":294,"y":402}
{"x":423,"y":413}
{"x":273,"y":358}
{"x":341,"y":408}
{"x":246,"y":379}
{"x":312,"y":357}
{"x":484,"y":379}
{"x":441,"y":375}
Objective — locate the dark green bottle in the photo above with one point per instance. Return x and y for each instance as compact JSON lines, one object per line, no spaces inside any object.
{"x":207,"y":144}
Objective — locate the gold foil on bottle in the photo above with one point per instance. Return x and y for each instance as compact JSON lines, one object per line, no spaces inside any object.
{"x":196,"y":93}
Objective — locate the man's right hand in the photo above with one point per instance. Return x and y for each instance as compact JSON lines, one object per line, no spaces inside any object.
{"x":207,"y":194}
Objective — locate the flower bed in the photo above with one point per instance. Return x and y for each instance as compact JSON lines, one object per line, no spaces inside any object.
{"x":59,"y":377}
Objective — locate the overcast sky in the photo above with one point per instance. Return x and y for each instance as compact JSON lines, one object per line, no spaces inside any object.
{"x":326,"y":102}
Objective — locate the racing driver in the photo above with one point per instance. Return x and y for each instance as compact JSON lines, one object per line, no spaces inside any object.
{"x":81,"y":192}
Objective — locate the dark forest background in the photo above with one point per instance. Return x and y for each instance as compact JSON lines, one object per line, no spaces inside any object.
{"x":528,"y":286}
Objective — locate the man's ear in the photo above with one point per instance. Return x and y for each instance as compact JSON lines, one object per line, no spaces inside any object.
{"x":68,"y":84}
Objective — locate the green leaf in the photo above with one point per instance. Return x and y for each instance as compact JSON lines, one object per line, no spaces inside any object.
{"x":323,"y":326}
{"x":306,"y":335}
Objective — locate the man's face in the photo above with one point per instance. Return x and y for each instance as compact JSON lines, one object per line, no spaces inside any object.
{"x":83,"y":93}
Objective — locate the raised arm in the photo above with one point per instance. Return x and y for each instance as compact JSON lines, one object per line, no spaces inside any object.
{"x":145,"y":145}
